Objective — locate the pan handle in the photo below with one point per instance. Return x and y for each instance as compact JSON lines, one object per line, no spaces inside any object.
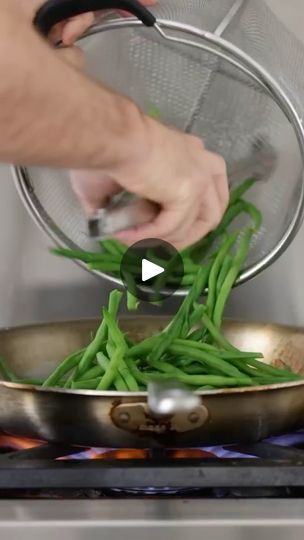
{"x":169,"y":408}
{"x":56,"y":11}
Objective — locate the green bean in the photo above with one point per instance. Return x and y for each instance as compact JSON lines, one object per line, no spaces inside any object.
{"x":180,"y":323}
{"x":114,"y":331}
{"x":222,"y":353}
{"x":111,"y":373}
{"x":137,"y":374}
{"x":101,"y":334}
{"x":122,"y":248}
{"x":30,"y":382}
{"x":189,"y":267}
{"x":108,"y":266}
{"x":188,"y":280}
{"x":143,"y":347}
{"x":163,"y":278}
{"x":196,"y":335}
{"x":162,"y":345}
{"x":132,"y":302}
{"x":85,"y":256}
{"x":270,"y":370}
{"x":257,"y":372}
{"x":196,"y":369}
{"x":196,"y":316}
{"x":90,"y":384}
{"x":200,"y":380}
{"x":7,"y":374}
{"x":216,"y":334}
{"x":223,"y":272}
{"x":238,"y":192}
{"x":68,"y":382}
{"x":114,"y":248}
{"x":254,"y":213}
{"x":215,"y":270}
{"x":164,"y":339}
{"x":117,"y":355}
{"x":198,"y":251}
{"x":128,"y":377}
{"x":93,"y":373}
{"x":119,"y":383}
{"x":232,"y":212}
{"x":231,"y":277}
{"x":67,"y":365}
{"x":209,"y":359}
{"x":193,"y":296}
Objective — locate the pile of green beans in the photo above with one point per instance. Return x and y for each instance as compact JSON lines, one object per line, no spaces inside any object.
{"x":108,"y":259}
{"x":192,"y":348}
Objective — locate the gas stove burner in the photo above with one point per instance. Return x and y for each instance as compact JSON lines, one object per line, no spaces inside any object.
{"x":269,"y":469}
{"x":155,"y":492}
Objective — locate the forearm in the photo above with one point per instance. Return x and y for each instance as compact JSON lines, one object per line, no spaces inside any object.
{"x":52,"y":114}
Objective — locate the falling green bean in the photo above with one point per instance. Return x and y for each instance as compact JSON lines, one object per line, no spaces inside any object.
{"x":238,"y":192}
{"x":101,"y":334}
{"x":215,"y":270}
{"x":231,"y":277}
{"x":223,"y":272}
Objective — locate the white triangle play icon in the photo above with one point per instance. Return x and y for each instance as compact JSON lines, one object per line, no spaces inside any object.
{"x":150,"y":270}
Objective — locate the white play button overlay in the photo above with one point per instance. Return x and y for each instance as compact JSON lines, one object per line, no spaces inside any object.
{"x":150,"y":270}
{"x":141,"y":277}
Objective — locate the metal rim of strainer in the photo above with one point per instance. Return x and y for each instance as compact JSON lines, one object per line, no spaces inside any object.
{"x":227,"y":51}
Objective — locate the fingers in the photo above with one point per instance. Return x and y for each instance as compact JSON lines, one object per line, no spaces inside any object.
{"x":71,"y":30}
{"x":184,"y":224}
{"x":75,"y":27}
{"x":171,"y":219}
{"x":93,"y":190}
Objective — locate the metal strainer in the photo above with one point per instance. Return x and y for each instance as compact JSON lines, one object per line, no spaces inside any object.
{"x":225,"y":70}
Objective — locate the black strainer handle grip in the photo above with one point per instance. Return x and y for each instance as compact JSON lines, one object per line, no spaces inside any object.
{"x":56,"y":11}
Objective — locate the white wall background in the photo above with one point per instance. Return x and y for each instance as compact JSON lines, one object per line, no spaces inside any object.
{"x":35,"y":285}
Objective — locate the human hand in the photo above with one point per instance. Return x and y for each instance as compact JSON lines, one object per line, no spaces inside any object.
{"x":70,"y":30}
{"x":176,"y":171}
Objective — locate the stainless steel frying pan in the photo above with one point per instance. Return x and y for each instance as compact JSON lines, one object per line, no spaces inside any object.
{"x":114,"y":419}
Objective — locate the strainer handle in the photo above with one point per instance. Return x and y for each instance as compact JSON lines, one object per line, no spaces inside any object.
{"x":56,"y":11}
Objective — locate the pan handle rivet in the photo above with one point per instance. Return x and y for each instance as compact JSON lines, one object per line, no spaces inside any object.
{"x":193,"y":418}
{"x":124,"y":418}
